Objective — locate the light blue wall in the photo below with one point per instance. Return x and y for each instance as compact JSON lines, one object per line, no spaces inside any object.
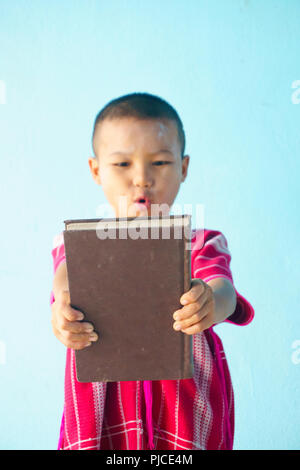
{"x":229,"y":69}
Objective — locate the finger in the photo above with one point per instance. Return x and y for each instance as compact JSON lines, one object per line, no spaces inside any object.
{"x":195,"y":318}
{"x":79,"y":337}
{"x":187,"y":311}
{"x":63,"y":324}
{"x":77,"y":345}
{"x":196,"y":290}
{"x":77,"y":327}
{"x":69,"y":342}
{"x":205,"y":323}
{"x":64,"y":304}
{"x":71,"y":314}
{"x":193,"y":307}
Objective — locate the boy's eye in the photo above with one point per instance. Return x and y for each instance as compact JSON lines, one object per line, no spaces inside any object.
{"x":160,"y":161}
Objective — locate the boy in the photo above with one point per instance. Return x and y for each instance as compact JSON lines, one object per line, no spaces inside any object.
{"x":139,"y":143}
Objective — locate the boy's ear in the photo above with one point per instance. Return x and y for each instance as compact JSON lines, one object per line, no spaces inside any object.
{"x":94,"y":168}
{"x":185,"y":164}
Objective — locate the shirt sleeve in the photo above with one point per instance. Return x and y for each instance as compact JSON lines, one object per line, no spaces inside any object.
{"x":210,"y":258}
{"x":58,"y":256}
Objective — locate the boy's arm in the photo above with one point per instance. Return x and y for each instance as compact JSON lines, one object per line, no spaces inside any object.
{"x":60,"y":280}
{"x":225,"y":298}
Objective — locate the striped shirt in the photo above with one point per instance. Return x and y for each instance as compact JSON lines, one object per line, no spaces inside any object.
{"x":187,"y":414}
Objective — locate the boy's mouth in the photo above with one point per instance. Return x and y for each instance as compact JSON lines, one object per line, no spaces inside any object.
{"x":142,"y":202}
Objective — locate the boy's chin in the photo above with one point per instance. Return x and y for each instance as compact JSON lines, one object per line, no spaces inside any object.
{"x":138,"y":212}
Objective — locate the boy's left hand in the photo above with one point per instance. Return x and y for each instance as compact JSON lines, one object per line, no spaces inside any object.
{"x":198,"y":313}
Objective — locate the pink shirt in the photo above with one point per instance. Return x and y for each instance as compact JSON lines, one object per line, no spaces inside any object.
{"x":196,"y":413}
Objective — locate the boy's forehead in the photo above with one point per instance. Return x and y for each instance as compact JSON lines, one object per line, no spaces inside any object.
{"x":128,"y":132}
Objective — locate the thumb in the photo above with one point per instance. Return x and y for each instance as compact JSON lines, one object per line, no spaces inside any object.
{"x":194,"y":293}
{"x":64,"y":296}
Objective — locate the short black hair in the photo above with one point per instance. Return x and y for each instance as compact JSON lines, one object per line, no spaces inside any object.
{"x":140,"y":106}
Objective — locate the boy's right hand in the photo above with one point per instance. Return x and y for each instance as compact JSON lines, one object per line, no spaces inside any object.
{"x":66,"y":325}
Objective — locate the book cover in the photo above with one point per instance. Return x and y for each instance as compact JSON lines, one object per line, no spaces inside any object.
{"x":127,"y":276}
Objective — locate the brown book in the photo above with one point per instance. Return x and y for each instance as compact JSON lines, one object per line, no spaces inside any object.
{"x":127,"y":276}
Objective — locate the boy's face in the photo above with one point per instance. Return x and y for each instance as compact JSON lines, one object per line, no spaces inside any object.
{"x":138,"y":159}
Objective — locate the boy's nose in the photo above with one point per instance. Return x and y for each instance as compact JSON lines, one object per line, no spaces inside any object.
{"x":143,"y":178}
